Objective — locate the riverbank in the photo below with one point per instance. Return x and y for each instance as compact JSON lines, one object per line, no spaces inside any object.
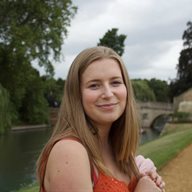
{"x":176,"y":153}
{"x":174,"y":139}
{"x":29,"y":127}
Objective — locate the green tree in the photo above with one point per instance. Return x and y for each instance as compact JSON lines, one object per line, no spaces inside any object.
{"x":113,"y":40}
{"x":30,"y":31}
{"x":34,"y":107}
{"x":184,"y":67}
{"x":142,"y":90}
{"x":35,"y":29}
{"x":53,"y":90}
{"x":160,"y":89}
{"x":6,"y":114}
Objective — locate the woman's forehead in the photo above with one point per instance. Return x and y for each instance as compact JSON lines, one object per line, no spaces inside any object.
{"x":104,"y":67}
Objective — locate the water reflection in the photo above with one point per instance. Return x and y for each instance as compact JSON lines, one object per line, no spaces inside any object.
{"x":18,"y":154}
{"x":148,"y":135}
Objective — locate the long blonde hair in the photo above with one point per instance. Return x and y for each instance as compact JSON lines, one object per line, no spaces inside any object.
{"x":73,"y":122}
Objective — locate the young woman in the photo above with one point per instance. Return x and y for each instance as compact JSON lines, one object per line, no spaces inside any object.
{"x":94,"y":142}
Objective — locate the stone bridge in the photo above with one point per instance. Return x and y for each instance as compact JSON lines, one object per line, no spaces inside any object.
{"x":151,"y":111}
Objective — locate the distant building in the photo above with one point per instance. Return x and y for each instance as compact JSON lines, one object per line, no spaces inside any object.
{"x":183,"y":102}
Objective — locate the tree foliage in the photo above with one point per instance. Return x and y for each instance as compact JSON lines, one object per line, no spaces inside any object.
{"x":53,"y":90}
{"x":34,"y":108}
{"x":5,"y":112}
{"x":187,"y":35}
{"x":113,"y":40}
{"x":35,"y":29}
{"x":142,"y":90}
{"x":160,"y":88}
{"x":30,"y":31}
{"x":184,"y":67}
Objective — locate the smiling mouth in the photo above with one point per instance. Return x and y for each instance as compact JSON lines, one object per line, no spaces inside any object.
{"x":107,"y":105}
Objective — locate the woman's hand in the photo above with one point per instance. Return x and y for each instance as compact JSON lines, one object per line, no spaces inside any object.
{"x":144,"y":165}
{"x":147,"y":168}
{"x":145,"y":184}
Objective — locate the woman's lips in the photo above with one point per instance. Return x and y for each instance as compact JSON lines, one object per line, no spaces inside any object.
{"x":107,"y":106}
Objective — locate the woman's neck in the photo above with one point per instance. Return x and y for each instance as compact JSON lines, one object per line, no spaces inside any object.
{"x":105,"y":145}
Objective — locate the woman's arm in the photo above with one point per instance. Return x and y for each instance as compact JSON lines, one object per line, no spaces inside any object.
{"x":68,"y":168}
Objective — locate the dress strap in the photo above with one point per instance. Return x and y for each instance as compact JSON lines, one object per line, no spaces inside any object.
{"x":94,"y":175}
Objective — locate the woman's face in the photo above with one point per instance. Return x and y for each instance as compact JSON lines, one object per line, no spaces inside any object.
{"x":104,"y":93}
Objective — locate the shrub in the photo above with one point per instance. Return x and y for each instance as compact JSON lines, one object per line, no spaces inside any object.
{"x":142,"y":91}
{"x":182,"y":117}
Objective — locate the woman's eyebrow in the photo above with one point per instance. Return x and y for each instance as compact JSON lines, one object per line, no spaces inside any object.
{"x":93,"y":81}
{"x":99,"y":80}
{"x":117,"y":77}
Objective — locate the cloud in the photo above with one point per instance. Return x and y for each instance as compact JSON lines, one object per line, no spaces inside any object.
{"x":154,"y":30}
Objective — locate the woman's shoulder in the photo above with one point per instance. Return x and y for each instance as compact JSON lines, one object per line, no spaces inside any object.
{"x":68,"y":161}
{"x":68,"y":149}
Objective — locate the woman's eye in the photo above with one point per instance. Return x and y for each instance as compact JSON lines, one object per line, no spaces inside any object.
{"x":116,"y":83}
{"x":94,"y":86}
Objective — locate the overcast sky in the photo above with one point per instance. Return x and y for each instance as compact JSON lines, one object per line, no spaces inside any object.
{"x":154,"y":30}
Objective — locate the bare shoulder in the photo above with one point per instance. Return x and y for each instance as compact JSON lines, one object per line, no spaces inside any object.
{"x":68,"y":149}
{"x":68,"y":167}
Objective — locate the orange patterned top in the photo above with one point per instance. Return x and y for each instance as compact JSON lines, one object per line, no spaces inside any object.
{"x":105,"y":183}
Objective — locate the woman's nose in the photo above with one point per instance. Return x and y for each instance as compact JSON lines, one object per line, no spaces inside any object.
{"x":107,"y":91}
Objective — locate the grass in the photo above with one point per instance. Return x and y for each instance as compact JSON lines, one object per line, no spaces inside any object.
{"x":32,"y":188}
{"x":175,"y":127}
{"x":162,"y":150}
{"x":173,"y":140}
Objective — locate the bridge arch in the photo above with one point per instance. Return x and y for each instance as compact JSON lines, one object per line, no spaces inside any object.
{"x":159,"y":122}
{"x":151,"y":111}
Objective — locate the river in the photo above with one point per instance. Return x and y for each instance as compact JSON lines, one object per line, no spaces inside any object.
{"x":18,"y":154}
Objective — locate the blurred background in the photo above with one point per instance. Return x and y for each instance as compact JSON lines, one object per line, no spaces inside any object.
{"x":40,"y":39}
